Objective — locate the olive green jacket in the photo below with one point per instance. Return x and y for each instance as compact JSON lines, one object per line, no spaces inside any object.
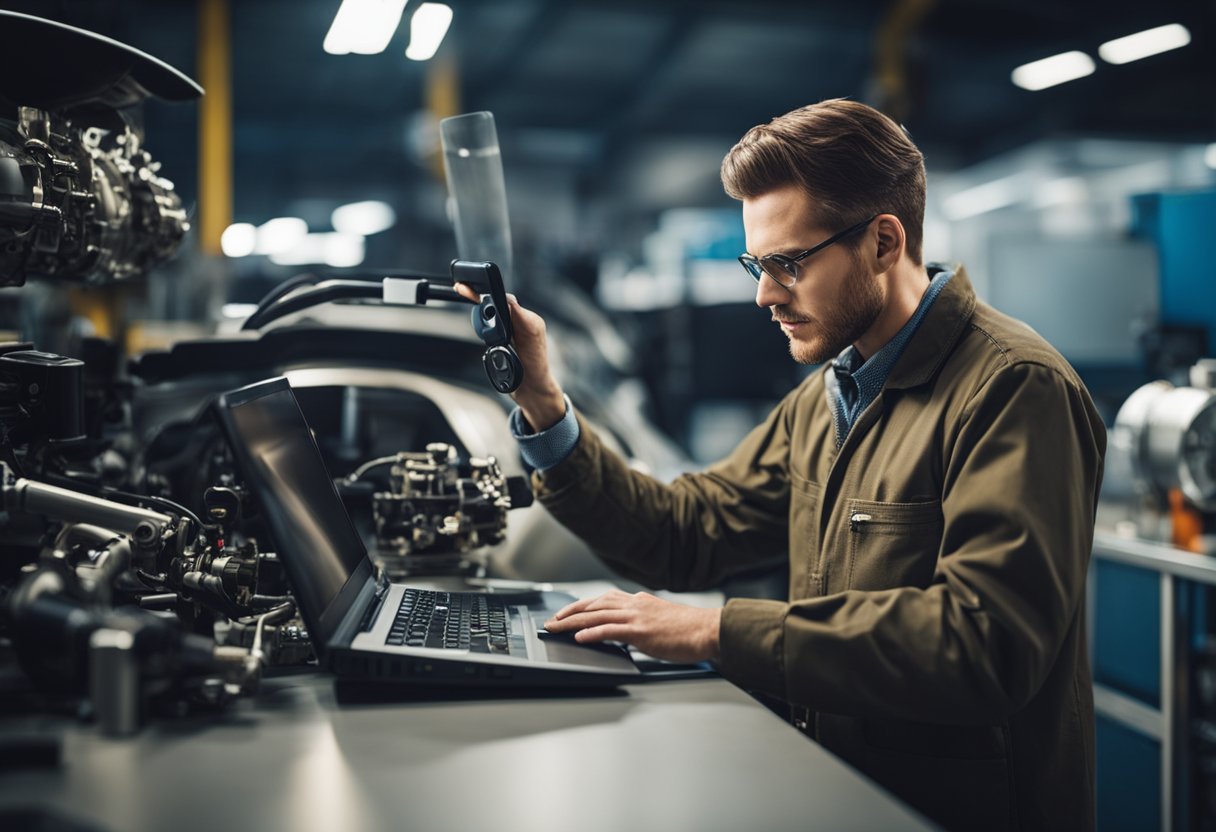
{"x":934,"y":635}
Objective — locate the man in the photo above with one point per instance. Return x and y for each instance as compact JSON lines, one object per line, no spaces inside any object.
{"x":934,"y":484}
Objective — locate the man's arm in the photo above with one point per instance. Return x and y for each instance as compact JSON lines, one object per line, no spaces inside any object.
{"x":686,"y":535}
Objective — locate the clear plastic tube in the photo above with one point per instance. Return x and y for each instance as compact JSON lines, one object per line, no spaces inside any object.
{"x":473,"y":165}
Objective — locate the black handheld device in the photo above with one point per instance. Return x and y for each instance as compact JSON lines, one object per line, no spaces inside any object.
{"x":492,"y":322}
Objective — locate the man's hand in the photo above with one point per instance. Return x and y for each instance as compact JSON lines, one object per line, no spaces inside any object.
{"x":663,"y":629}
{"x":539,"y":396}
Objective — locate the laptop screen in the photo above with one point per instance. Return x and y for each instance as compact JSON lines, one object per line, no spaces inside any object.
{"x":313,"y":535}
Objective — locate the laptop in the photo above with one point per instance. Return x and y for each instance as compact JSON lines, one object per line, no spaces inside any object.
{"x":363,"y":626}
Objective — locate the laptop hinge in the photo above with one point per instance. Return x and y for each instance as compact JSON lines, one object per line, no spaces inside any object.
{"x":373,"y":608}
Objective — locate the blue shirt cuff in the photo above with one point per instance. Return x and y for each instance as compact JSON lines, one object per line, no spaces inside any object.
{"x":546,"y":449}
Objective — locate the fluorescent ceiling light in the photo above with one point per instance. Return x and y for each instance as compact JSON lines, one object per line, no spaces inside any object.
{"x":984,"y":198}
{"x":427,"y":28}
{"x":344,"y":251}
{"x":1039,"y":75}
{"x":279,"y":234}
{"x":331,"y":248}
{"x":1070,"y":190}
{"x":239,"y":239}
{"x":1142,"y":44}
{"x":1209,"y":156}
{"x":363,"y":27}
{"x":364,"y":218}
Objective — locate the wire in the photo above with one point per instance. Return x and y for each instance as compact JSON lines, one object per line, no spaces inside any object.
{"x":367,"y":466}
{"x":271,"y":600}
{"x":283,"y":288}
{"x":152,"y":581}
{"x":328,"y":291}
{"x":163,"y":502}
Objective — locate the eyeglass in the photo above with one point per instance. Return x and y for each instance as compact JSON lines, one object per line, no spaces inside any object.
{"x":784,"y":269}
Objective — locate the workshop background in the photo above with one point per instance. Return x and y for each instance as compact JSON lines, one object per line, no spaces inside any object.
{"x":1080,"y":194}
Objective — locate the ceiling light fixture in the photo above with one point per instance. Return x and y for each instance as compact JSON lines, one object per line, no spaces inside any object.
{"x":980,"y":199}
{"x":239,"y":239}
{"x":279,"y":235}
{"x":364,"y":218}
{"x":1143,"y":44}
{"x":1039,"y":75}
{"x":363,"y":27}
{"x":427,"y":28}
{"x":331,"y":248}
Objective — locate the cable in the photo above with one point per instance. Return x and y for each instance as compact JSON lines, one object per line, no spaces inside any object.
{"x":270,"y":600}
{"x":327,"y":291}
{"x":367,"y":466}
{"x":154,"y":582}
{"x":283,"y":288}
{"x":163,"y":502}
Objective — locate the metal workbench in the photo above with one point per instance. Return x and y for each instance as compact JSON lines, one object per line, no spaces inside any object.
{"x":672,"y":755}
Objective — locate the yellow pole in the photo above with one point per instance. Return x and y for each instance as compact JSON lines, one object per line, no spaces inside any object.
{"x":890,"y":66}
{"x":442,"y":98}
{"x":214,"y":123}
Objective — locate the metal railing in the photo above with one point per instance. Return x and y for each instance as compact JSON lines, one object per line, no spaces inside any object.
{"x":1167,"y":724}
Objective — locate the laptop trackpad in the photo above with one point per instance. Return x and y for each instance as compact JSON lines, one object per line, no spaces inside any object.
{"x":563,"y":649}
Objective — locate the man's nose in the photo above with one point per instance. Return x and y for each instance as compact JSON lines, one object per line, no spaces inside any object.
{"x":770,"y":293}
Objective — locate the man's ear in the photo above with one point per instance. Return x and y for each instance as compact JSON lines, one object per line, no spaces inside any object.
{"x":891,"y":240}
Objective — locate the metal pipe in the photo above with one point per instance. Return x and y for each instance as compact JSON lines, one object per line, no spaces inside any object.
{"x":145,"y":527}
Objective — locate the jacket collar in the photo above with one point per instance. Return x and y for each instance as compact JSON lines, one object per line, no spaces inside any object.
{"x":943,"y":325}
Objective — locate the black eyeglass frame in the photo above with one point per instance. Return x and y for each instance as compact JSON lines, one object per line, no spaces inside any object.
{"x":755,"y":265}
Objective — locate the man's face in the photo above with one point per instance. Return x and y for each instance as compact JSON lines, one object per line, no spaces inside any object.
{"x":836,"y":298}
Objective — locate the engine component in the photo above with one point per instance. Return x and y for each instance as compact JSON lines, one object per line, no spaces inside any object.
{"x":121,"y":659}
{"x":81,"y":203}
{"x":148,"y":529}
{"x":41,"y":395}
{"x":80,"y":199}
{"x":438,"y":511}
{"x":1170,"y":434}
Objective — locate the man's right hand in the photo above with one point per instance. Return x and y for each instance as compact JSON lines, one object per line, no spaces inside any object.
{"x":539,"y":396}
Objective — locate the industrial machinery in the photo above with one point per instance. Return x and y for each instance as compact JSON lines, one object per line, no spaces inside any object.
{"x":1166,"y":436}
{"x":107,"y":599}
{"x":136,"y":574}
{"x":80,"y":198}
{"x":1160,"y":487}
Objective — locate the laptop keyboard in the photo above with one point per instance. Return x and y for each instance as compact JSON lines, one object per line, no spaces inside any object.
{"x":454,"y":620}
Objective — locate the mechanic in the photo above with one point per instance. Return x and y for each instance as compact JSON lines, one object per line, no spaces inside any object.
{"x":934,"y":484}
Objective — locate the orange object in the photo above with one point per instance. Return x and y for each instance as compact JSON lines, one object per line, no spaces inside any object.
{"x":1186,"y":522}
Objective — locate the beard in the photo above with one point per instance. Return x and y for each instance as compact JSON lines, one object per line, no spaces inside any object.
{"x":826,"y":336}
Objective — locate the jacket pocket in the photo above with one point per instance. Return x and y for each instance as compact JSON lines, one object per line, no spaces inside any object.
{"x":892,"y":544}
{"x":804,"y":535}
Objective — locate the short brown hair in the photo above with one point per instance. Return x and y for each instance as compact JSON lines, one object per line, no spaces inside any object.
{"x":850,"y":158}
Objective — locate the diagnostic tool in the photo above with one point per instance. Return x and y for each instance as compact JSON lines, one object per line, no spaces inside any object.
{"x":492,"y":323}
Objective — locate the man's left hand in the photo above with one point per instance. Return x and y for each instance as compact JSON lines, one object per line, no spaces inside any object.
{"x":663,"y":629}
